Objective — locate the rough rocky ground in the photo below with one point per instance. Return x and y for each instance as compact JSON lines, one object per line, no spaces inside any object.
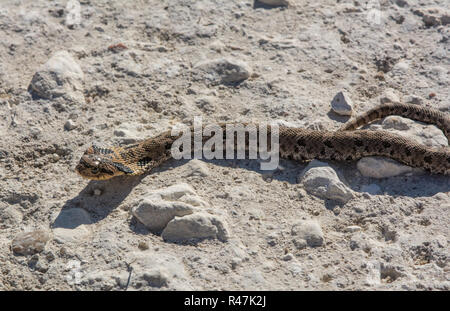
{"x":117,"y":71}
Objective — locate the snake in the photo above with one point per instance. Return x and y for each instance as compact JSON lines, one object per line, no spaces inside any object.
{"x":300,"y":144}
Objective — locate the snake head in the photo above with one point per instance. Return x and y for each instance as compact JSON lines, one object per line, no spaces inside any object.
{"x":97,"y":164}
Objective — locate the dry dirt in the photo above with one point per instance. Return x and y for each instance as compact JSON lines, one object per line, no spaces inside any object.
{"x":140,"y":74}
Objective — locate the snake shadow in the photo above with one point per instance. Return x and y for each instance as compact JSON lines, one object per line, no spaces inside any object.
{"x":98,"y":198}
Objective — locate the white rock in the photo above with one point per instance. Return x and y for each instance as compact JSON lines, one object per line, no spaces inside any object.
{"x":309,"y":231}
{"x":69,"y":125}
{"x":10,"y":216}
{"x":223,"y":70}
{"x":73,"y":14}
{"x":353,"y":228}
{"x":380,"y":167}
{"x":389,"y":96}
{"x":195,"y":226}
{"x":412,"y":99}
{"x":321,"y":180}
{"x":28,"y":243}
{"x":158,"y":270}
{"x":196,"y":167}
{"x":371,"y":189}
{"x":159,"y":207}
{"x":342,"y":104}
{"x":60,"y":76}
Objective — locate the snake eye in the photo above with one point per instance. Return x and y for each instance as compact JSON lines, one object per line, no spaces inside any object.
{"x":94,"y":170}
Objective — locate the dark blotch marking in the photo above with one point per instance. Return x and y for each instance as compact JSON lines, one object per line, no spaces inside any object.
{"x":358,"y":143}
{"x":328,"y":143}
{"x":386,"y":144}
{"x":301,"y":142}
{"x":144,"y":161}
{"x":123,"y":168}
{"x":427,"y":159}
{"x":130,"y":146}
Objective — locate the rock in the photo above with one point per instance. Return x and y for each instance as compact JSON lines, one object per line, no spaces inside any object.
{"x":69,"y":125}
{"x":222,"y":70}
{"x":353,"y":228}
{"x":10,"y":216}
{"x":389,"y":96}
{"x":73,"y":15}
{"x":159,"y":207}
{"x":158,"y":270}
{"x":28,"y":243}
{"x":61,"y":76}
{"x":412,"y":99}
{"x":380,"y":167}
{"x":371,"y":189}
{"x":341,"y":104}
{"x":422,"y":133}
{"x":129,"y":133}
{"x":321,"y":180}
{"x":195,"y":226}
{"x":196,"y":167}
{"x":71,"y":226}
{"x":275,"y":2}
{"x":309,"y":231}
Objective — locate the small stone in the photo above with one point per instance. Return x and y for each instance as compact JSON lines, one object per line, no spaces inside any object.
{"x":28,"y":243}
{"x":308,"y":230}
{"x":412,"y":99}
{"x":353,"y":229}
{"x":195,"y":226}
{"x":10,"y":216}
{"x":320,"y":179}
{"x":73,"y":14}
{"x":159,"y":207}
{"x":69,"y":125}
{"x":389,"y":96}
{"x":198,"y":168}
{"x":342,"y":104}
{"x":379,"y":167}
{"x":288,"y":257}
{"x":143,"y":245}
{"x":156,"y":277}
{"x":223,"y":71}
{"x":62,"y":77}
{"x":97,"y":192}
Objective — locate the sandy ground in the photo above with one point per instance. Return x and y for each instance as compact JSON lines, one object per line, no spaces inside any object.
{"x":132,"y":69}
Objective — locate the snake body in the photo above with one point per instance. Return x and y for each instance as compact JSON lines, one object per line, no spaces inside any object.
{"x":346,"y":144}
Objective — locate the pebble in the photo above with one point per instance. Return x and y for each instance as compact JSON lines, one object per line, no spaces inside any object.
{"x":197,"y":168}
{"x":389,"y":96}
{"x":342,"y":104}
{"x":69,"y":125}
{"x":320,"y":179}
{"x":222,"y":70}
{"x":73,"y":14}
{"x":309,"y":231}
{"x":28,"y":243}
{"x":412,"y":99}
{"x":60,"y":76}
{"x":10,"y":216}
{"x":353,"y":229}
{"x":195,"y":226}
{"x":159,"y":207}
{"x":158,"y":269}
